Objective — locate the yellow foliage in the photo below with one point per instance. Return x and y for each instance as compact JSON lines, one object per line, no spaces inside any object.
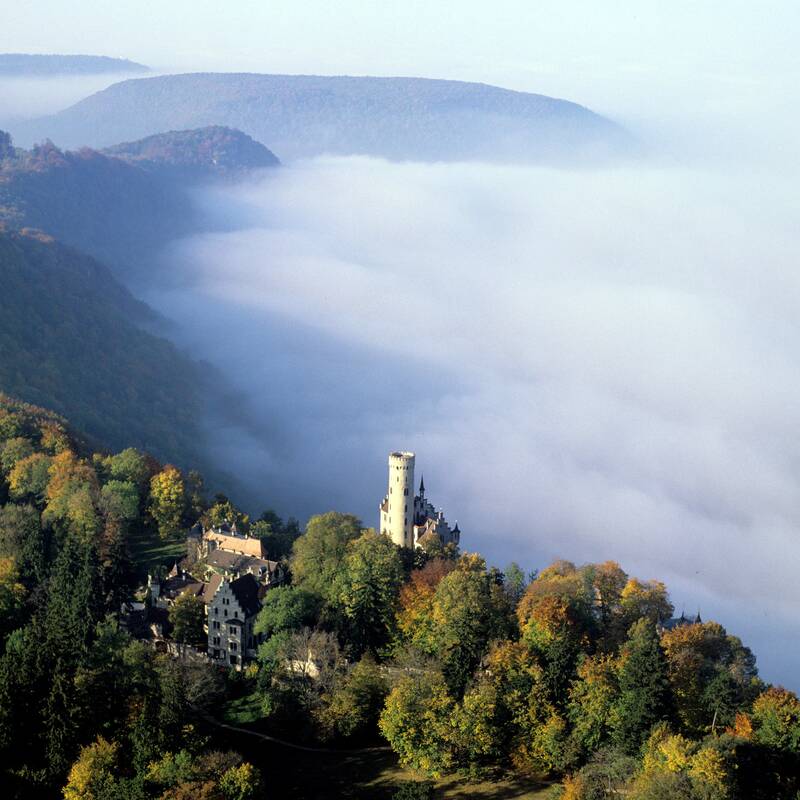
{"x":742,"y":727}
{"x":573,"y":788}
{"x":667,"y":752}
{"x":709,"y":768}
{"x":93,"y":773}
{"x":11,"y":590}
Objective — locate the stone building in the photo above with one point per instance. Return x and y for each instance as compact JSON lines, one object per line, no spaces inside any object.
{"x":405,"y":516}
{"x":232,"y":611}
{"x":227,"y":552}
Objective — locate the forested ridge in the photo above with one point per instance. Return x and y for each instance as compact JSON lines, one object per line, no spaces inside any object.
{"x":123,"y":205}
{"x":71,"y":339}
{"x":579,"y":675}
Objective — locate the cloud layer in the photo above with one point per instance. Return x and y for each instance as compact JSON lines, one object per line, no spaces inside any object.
{"x":589,"y":365}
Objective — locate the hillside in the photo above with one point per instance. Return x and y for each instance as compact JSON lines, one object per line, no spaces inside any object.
{"x":120,"y":208}
{"x":70,"y":340}
{"x":196,"y":154}
{"x":396,"y":118}
{"x":26,"y":64}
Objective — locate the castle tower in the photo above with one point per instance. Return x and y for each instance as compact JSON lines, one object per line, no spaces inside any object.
{"x":397,"y":509}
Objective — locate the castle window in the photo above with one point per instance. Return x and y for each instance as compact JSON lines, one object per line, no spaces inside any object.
{"x":405,"y":492}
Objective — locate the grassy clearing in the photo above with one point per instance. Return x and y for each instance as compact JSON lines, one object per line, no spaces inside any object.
{"x":149,"y":551}
{"x":373,"y":775}
{"x":245,"y":711}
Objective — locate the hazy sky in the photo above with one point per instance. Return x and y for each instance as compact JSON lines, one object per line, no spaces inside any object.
{"x":597,"y":53}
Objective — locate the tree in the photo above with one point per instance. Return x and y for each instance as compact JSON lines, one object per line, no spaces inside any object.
{"x":515,"y":583}
{"x":286,"y":608}
{"x":415,"y":611}
{"x":318,"y":555}
{"x":93,"y":775}
{"x":223,"y":512}
{"x":591,"y":699}
{"x":412,"y":720}
{"x":120,"y":499}
{"x":468,"y":610}
{"x":22,"y":538}
{"x":643,"y":687}
{"x":13,"y":451}
{"x":366,"y":591}
{"x":188,"y":615}
{"x":72,"y":494}
{"x":240,"y":783}
{"x":167,"y":501}
{"x":776,"y":720}
{"x":648,"y":599}
{"x":12,"y":593}
{"x":29,"y":477}
{"x":355,"y":704}
{"x":713,"y":676}
{"x":278,"y":536}
{"x":129,"y":466}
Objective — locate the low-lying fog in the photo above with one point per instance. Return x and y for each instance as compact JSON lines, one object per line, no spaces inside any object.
{"x":589,"y":365}
{"x":26,"y":97}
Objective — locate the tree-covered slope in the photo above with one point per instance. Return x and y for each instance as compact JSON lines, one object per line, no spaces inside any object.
{"x":196,"y":154}
{"x":70,"y":340}
{"x":299,"y":115}
{"x":121,"y":206}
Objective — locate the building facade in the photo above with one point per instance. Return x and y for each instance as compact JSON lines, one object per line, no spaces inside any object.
{"x":232,"y":613}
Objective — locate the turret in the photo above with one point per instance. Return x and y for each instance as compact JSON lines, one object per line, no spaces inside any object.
{"x":397,"y":509}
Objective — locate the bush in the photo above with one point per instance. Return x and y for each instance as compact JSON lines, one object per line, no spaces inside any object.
{"x":414,"y":790}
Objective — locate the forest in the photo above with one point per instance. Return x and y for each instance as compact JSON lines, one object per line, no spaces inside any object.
{"x":575,"y":677}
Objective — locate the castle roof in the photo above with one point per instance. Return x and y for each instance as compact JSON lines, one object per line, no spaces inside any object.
{"x":235,"y":543}
{"x":210,"y":588}
{"x":245,"y":590}
{"x":236,"y":562}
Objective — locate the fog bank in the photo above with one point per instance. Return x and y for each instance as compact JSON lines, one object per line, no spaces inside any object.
{"x":589,"y":365}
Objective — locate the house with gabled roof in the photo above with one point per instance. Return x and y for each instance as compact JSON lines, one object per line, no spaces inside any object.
{"x":232,"y":613}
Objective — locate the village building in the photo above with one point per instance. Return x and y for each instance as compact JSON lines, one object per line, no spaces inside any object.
{"x":405,"y":516}
{"x":231,"y":617}
{"x":227,"y":552}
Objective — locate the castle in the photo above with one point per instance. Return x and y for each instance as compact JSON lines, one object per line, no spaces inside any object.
{"x":407,"y":517}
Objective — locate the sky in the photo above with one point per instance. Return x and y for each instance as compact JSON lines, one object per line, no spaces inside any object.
{"x":602,"y":363}
{"x":597,"y":53}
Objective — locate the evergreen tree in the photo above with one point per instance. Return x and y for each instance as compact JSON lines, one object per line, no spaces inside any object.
{"x":644,"y":697}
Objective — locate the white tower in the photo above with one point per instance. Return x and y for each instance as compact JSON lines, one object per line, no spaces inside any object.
{"x":397,"y":509}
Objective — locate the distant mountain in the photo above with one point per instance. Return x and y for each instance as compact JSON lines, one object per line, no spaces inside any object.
{"x":71,"y":339}
{"x":120,"y":208}
{"x":397,"y":118}
{"x":26,"y":64}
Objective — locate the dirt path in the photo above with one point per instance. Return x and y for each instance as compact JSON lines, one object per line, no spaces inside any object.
{"x":304,"y":748}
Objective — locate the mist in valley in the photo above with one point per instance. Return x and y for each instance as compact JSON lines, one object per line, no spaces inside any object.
{"x":589,"y":364}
